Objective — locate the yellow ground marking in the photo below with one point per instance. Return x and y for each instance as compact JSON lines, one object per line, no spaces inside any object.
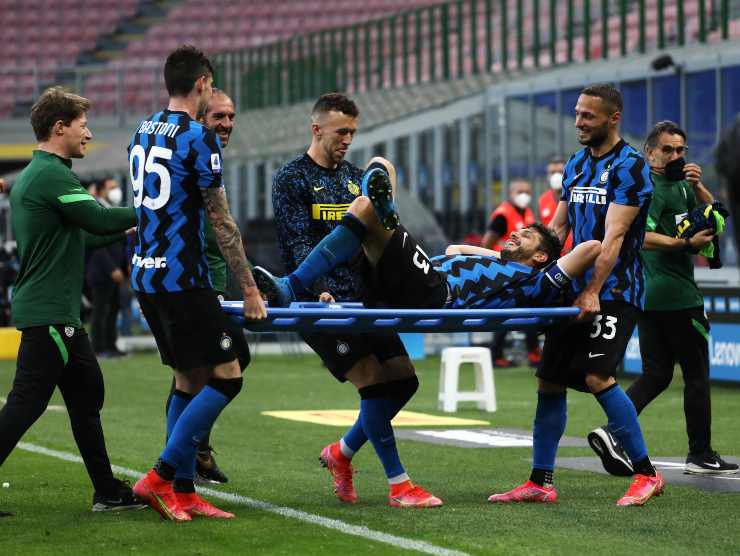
{"x":345,"y":418}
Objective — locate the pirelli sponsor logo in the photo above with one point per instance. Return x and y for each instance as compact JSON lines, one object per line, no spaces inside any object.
{"x":591,"y":195}
{"x":328,"y":212}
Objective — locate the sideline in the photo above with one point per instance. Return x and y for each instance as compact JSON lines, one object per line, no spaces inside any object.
{"x":335,"y":524}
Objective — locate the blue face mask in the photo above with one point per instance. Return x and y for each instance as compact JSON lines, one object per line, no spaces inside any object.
{"x":674,"y":170}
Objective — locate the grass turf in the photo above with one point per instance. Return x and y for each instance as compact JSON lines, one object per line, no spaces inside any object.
{"x":275,"y":460}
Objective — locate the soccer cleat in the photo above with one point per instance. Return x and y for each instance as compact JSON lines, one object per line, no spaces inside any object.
{"x":206,"y":468}
{"x":194,"y":505}
{"x":122,"y":499}
{"x":6,"y":514}
{"x":158,"y":493}
{"x":504,"y":363}
{"x":534,"y":357}
{"x":277,"y":289}
{"x":642,"y":489}
{"x":376,"y":184}
{"x":613,"y":457}
{"x":528,"y":492}
{"x":709,"y":463}
{"x":341,"y":471}
{"x":413,"y":497}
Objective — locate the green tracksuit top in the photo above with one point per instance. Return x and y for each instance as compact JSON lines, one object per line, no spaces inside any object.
{"x":669,"y":275}
{"x":54,"y":220}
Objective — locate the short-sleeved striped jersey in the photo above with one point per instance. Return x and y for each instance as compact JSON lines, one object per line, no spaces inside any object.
{"x":309,"y":201}
{"x":171,"y":158}
{"x":481,"y":282}
{"x":590,"y":185}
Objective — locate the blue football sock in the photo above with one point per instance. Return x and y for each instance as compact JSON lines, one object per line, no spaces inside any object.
{"x":376,"y":422}
{"x":623,"y":421}
{"x":178,"y":402}
{"x":194,"y":423}
{"x":355,"y":437}
{"x":336,"y":248}
{"x":549,"y":425}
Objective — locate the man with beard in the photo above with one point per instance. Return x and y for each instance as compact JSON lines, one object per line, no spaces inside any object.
{"x":465,"y":277}
{"x":673,"y":327}
{"x":606,"y":196}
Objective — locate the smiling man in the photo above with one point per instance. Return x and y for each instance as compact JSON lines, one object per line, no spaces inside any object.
{"x":606,"y":194}
{"x":54,"y":221}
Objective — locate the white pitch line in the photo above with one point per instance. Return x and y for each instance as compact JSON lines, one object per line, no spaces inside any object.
{"x":335,"y":524}
{"x":48,"y":407}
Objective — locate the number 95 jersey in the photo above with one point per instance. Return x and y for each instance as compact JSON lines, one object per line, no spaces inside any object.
{"x":171,"y":158}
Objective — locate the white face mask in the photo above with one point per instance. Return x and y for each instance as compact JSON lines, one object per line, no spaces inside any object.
{"x":556,"y":180}
{"x":522,"y":200}
{"x":115,"y":196}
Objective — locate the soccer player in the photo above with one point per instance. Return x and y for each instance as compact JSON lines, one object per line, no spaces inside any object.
{"x":219,"y":117}
{"x":54,"y":220}
{"x":606,"y":195}
{"x":176,"y":173}
{"x":511,"y":215}
{"x":403,"y":276}
{"x":310,"y":195}
{"x":673,"y":327}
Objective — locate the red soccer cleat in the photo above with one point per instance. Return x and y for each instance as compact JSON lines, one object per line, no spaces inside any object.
{"x":408,"y":495}
{"x":535,"y":356}
{"x":642,"y":489}
{"x":196,"y":506}
{"x":158,"y":493}
{"x":341,"y":471}
{"x":528,"y":492}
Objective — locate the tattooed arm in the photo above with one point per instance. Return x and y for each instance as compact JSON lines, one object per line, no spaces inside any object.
{"x":230,"y":242}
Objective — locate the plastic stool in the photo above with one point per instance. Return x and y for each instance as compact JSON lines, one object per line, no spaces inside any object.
{"x":485,"y":390}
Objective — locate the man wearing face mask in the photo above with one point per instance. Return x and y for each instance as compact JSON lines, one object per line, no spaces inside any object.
{"x":673,"y":327}
{"x":105,"y":274}
{"x":510,"y":216}
{"x":549,"y":200}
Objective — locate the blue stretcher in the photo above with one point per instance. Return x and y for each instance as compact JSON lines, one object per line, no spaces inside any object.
{"x":328,"y":317}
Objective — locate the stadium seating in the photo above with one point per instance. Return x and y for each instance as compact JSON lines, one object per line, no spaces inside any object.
{"x":132,"y":80}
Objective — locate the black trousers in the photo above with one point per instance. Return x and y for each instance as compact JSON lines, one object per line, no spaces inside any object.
{"x":51,"y":356}
{"x":105,"y":304}
{"x":667,"y":337}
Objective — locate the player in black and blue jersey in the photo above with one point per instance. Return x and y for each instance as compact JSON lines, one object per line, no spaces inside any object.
{"x":404,"y":276}
{"x":310,"y":195}
{"x":606,"y":195}
{"x":176,"y":173}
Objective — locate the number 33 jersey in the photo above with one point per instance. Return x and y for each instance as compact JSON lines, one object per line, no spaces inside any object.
{"x":171,"y":158}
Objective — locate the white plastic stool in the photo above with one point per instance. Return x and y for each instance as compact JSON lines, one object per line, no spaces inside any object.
{"x":485,"y":390}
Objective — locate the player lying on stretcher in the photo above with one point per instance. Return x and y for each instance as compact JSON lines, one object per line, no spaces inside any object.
{"x":526,"y":273}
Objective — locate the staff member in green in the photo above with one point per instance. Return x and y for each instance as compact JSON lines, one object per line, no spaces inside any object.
{"x":54,"y":220}
{"x":673,"y":326}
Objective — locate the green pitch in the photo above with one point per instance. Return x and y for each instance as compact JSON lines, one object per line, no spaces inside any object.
{"x":276,"y":461}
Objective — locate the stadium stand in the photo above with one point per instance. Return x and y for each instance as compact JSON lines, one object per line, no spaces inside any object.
{"x":131,"y":36}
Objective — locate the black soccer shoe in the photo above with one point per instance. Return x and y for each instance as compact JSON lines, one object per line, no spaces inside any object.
{"x":708,"y":463}
{"x":376,"y":184}
{"x":5,"y":514}
{"x":613,"y":457}
{"x":122,"y":499}
{"x":207,"y":470}
{"x":276,"y":289}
